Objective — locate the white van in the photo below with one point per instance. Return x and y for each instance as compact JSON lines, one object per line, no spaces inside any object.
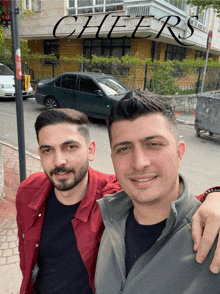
{"x":7,"y":83}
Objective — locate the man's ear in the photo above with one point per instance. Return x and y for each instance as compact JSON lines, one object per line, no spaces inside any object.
{"x":91,"y":149}
{"x":181,"y":148}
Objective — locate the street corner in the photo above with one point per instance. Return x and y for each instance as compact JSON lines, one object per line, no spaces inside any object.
{"x":185,"y":117}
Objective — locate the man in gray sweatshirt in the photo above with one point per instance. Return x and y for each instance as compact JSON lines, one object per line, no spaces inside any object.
{"x":147,"y":246}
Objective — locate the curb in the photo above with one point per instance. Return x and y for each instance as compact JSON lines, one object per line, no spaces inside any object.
{"x":180,"y":121}
{"x":1,"y":163}
{"x":16,"y":148}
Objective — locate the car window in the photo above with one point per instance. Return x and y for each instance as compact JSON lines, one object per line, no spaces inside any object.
{"x":112,"y":86}
{"x":57,"y":83}
{"x":87,"y":85}
{"x":4,"y":70}
{"x":69,"y":82}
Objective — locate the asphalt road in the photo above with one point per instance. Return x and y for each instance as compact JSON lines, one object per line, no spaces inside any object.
{"x":201,"y":163}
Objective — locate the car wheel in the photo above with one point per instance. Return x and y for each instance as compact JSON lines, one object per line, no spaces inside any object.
{"x":51,"y":103}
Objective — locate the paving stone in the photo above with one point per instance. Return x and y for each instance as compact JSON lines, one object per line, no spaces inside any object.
{"x":7,"y":252}
{"x":12,"y":245}
{"x":3,"y":246}
{"x":29,"y":161}
{"x":35,"y":170}
{"x":2,"y":232}
{"x":36,"y":163}
{"x":14,"y":154}
{"x":15,"y":230}
{"x":8,"y":150}
{"x":13,"y":259}
{"x":10,"y":224}
{"x":9,"y":233}
{"x":12,"y":238}
{"x":28,"y":173}
{"x":15,"y":251}
{"x":10,"y":164}
{"x":3,"y":261}
{"x":3,"y":238}
{"x":16,"y":169}
{"x":1,"y":253}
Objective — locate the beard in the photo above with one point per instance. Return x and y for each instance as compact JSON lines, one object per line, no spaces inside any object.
{"x":78,"y":177}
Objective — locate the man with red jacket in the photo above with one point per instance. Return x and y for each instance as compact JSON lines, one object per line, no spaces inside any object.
{"x":59,"y":220}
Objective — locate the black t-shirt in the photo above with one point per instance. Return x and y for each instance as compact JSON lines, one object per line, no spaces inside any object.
{"x":139,"y":238}
{"x":62,"y":270}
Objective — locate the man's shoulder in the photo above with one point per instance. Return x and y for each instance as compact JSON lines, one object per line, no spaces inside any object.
{"x":106,"y":184}
{"x":37,"y":185}
{"x":34,"y":181}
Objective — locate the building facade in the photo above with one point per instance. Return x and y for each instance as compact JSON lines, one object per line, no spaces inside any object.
{"x":156,"y":29}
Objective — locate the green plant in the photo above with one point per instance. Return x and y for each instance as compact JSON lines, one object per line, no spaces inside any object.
{"x":164,"y":77}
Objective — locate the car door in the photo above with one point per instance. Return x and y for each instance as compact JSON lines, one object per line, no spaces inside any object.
{"x":91,"y":99}
{"x":65,"y":91}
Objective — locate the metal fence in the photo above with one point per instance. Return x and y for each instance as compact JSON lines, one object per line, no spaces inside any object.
{"x":185,"y":83}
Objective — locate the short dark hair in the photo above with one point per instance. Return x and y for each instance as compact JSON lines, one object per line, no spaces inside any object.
{"x":138,"y":103}
{"x":63,"y":115}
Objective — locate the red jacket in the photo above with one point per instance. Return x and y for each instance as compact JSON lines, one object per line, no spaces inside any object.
{"x":88,"y":226}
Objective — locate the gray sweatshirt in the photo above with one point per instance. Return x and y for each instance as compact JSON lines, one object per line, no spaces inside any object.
{"x":169,"y":267}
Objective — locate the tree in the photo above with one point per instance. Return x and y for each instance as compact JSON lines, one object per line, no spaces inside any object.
{"x":205,"y":4}
{"x":6,"y":43}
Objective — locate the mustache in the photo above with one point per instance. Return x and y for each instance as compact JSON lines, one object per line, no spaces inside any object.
{"x":61,"y":169}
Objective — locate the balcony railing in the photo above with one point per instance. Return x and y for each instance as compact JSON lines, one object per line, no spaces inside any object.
{"x":158,"y":8}
{"x":93,"y":6}
{"x":201,"y":23}
{"x":143,"y":7}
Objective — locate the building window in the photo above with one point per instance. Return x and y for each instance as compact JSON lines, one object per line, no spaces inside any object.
{"x":201,"y":54}
{"x":181,"y":4}
{"x":93,"y":6}
{"x":50,"y":47}
{"x":34,"y":5}
{"x":201,"y":23}
{"x":106,"y":47}
{"x":175,"y":52}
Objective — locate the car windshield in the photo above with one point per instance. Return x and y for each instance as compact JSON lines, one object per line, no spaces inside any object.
{"x":4,"y":70}
{"x":112,"y":86}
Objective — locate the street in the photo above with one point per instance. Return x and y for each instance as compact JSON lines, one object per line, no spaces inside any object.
{"x":201,"y":163}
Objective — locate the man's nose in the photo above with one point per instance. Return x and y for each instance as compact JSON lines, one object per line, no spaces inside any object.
{"x":59,"y":158}
{"x":140,"y":159}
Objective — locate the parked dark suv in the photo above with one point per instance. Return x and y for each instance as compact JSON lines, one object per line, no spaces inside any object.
{"x":92,"y":93}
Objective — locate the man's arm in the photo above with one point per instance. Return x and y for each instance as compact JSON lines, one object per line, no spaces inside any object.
{"x":205,"y":229}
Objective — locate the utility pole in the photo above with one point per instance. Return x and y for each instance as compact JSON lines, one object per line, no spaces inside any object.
{"x":208,"y":45}
{"x":16,"y":52}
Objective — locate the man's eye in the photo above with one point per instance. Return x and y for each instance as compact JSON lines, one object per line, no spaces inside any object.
{"x":122,"y":150}
{"x":71,"y":147}
{"x":44,"y":151}
{"x":154,"y":144}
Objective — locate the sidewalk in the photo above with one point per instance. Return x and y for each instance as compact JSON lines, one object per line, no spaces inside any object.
{"x":10,"y":275}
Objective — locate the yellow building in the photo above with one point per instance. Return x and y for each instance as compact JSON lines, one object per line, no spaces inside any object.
{"x":88,"y":28}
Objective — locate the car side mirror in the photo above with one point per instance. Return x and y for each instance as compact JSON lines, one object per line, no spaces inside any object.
{"x":98,"y":93}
